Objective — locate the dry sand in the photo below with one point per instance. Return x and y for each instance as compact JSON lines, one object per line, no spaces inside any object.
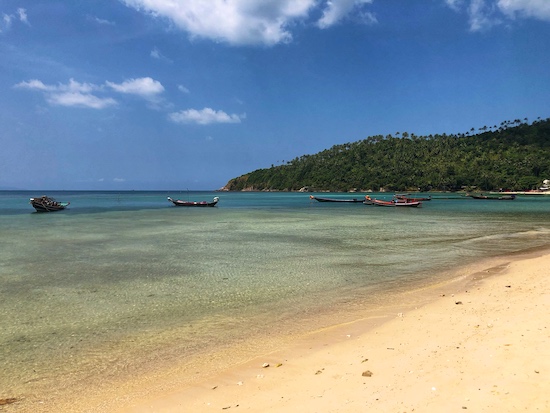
{"x":480,"y":347}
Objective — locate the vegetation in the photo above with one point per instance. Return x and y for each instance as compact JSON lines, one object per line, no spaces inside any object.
{"x":514,"y":155}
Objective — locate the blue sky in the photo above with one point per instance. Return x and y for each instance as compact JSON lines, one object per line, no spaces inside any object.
{"x":186,"y":94}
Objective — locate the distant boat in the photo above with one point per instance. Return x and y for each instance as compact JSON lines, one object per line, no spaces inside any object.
{"x":47,"y":204}
{"x":178,"y":202}
{"x":352,"y":200}
{"x":408,"y":198}
{"x":392,"y":203}
{"x":493,"y":197}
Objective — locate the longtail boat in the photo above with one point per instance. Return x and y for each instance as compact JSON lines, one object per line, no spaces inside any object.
{"x":320,"y":199}
{"x":178,"y":202}
{"x":408,"y":198}
{"x":392,"y":203}
{"x":493,"y":197}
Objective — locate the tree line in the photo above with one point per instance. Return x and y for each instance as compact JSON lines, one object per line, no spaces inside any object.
{"x":514,"y":155}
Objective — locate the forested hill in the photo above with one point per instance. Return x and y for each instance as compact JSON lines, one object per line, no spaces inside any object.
{"x":514,"y":155}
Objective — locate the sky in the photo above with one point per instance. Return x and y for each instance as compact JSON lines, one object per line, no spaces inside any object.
{"x":187,"y":94}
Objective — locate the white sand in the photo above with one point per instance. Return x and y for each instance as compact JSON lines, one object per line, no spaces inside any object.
{"x":483,"y":348}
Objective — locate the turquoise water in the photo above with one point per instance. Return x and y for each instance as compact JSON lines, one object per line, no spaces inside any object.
{"x":122,"y":283}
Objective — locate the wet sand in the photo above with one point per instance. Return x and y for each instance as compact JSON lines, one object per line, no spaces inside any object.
{"x":479,"y":344}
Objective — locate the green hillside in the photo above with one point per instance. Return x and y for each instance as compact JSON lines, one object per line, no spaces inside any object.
{"x":514,"y":155}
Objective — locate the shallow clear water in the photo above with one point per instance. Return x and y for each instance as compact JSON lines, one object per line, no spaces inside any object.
{"x":122,"y":280}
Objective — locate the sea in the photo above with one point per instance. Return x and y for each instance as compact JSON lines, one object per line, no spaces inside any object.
{"x":123,"y":289}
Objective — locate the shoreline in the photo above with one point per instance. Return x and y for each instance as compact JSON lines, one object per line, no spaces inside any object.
{"x":322,"y":369}
{"x":470,"y":343}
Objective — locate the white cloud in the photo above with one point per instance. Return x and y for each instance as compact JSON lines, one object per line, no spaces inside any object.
{"x":538,"y":9}
{"x":6,"y":22}
{"x":366,"y":17}
{"x":454,"y":4}
{"x":7,"y":19}
{"x":241,"y":22}
{"x":204,"y":117}
{"x":79,"y":94}
{"x":35,"y":84}
{"x":75,"y":86}
{"x":337,"y":10}
{"x":484,"y":14}
{"x":80,"y":100}
{"x":103,"y":22}
{"x":144,"y":87}
{"x":233,"y":21}
{"x":71,"y":94}
{"x":22,"y":13}
{"x":72,"y":86}
{"x":155,"y":53}
{"x":183,"y":89}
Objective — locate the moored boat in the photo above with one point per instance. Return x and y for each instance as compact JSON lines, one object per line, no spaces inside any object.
{"x":47,"y":204}
{"x":178,"y":202}
{"x":408,"y":198}
{"x":492,"y":197}
{"x":320,"y":199}
{"x":392,"y":203}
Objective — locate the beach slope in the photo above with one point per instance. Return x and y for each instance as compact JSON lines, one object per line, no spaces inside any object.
{"x":484,"y":348}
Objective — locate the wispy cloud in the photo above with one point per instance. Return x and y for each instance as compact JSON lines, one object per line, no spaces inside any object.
{"x":117,"y":180}
{"x":71,"y":94}
{"x":338,"y":10}
{"x":145,"y":87}
{"x":7,"y":19}
{"x":183,"y":89}
{"x":156,"y":54}
{"x":484,"y":14}
{"x":102,"y":22}
{"x":454,"y":4}
{"x":205,"y":116}
{"x":35,"y":84}
{"x":80,"y":100}
{"x":79,"y":94}
{"x":245,"y":22}
{"x":22,"y":13}
{"x":538,"y":9}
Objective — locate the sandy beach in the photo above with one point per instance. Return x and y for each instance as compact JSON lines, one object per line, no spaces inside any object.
{"x":480,"y":344}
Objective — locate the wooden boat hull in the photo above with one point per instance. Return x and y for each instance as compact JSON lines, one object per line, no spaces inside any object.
{"x":178,"y":202}
{"x":392,"y":203}
{"x":46,"y":204}
{"x":350,"y":201}
{"x":494,"y":197}
{"x":397,"y":204}
{"x":409,"y":199}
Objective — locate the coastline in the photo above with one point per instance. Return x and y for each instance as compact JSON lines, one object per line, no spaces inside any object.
{"x":136,"y":320}
{"x":479,"y":342}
